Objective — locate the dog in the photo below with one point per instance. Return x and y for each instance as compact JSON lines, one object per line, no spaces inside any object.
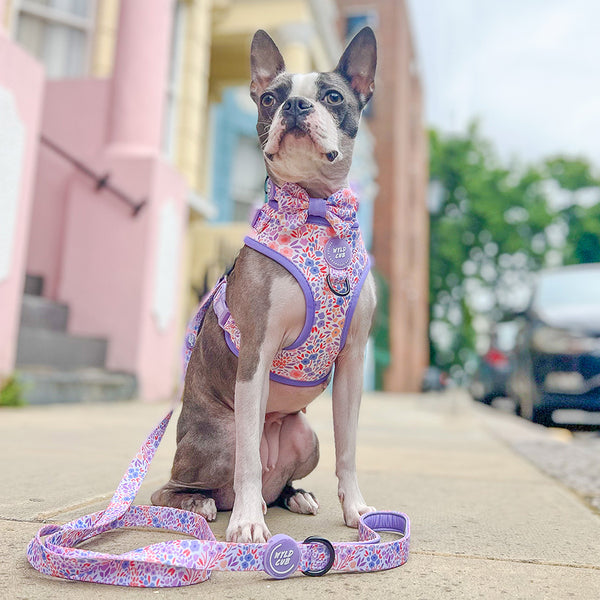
{"x":242,"y":437}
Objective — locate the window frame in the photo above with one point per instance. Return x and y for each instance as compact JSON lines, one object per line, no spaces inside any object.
{"x":173,"y":91}
{"x":48,"y":14}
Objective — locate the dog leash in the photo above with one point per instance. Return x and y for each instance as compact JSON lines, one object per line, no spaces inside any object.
{"x":54,"y":551}
{"x":175,"y":563}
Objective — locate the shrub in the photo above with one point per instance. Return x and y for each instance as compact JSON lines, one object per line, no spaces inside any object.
{"x":11,"y":392}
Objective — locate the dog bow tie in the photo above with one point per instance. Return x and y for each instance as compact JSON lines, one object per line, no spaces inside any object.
{"x":295,"y":206}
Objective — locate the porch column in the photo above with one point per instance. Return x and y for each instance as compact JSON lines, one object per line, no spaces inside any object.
{"x":296,"y":38}
{"x":21,"y":93}
{"x":140,"y":74}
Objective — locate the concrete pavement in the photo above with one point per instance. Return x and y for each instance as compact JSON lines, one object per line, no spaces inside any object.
{"x":485,"y":522}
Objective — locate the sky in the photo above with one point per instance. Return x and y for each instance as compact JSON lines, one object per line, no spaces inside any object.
{"x":528,"y":70}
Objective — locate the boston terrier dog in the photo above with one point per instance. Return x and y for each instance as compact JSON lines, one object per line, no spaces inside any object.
{"x":298,"y":301}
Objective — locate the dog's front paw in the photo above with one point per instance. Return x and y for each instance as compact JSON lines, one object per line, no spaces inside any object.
{"x":353,"y":506}
{"x":248,"y":526}
{"x":247,"y":532}
{"x":352,"y":514}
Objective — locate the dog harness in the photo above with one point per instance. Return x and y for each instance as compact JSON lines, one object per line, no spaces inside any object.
{"x":319,"y":242}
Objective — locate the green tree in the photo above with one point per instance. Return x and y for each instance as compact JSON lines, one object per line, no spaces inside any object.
{"x":491,"y":226}
{"x":582,"y":222}
{"x":488,"y":229}
{"x":571,"y":173}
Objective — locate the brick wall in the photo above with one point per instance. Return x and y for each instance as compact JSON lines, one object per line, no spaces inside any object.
{"x":401,"y":222}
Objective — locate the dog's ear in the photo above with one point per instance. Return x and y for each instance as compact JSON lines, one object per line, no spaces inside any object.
{"x":358,"y":64}
{"x":266,"y":63}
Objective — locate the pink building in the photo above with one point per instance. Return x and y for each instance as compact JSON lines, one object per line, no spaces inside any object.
{"x":94,"y":215}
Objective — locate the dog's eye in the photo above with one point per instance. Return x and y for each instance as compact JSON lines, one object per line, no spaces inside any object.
{"x":333,"y":97}
{"x":267,"y":100}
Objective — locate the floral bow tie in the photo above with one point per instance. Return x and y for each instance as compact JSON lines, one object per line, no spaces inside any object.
{"x":295,"y":206}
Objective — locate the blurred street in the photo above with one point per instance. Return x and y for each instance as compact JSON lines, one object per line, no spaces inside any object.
{"x":573,"y":461}
{"x":570,"y":455}
{"x":485,"y":522}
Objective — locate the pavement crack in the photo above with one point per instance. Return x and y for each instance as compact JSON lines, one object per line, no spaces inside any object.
{"x":44,"y":516}
{"x":15,"y":520}
{"x":49,"y":515}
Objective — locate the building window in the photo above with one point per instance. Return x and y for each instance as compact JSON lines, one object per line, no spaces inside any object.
{"x":355,"y":21}
{"x":58,"y":33}
{"x":174,"y":82}
{"x":247,"y":178}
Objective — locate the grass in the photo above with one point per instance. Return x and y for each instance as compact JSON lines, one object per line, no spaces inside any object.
{"x":11,"y":392}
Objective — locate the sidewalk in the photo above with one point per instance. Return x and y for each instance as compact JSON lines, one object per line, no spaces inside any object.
{"x":485,"y":522}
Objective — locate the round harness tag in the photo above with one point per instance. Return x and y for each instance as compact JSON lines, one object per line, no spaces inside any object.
{"x":282,"y":556}
{"x":338,"y":253}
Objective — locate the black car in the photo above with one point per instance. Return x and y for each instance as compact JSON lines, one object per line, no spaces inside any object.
{"x":556,"y":363}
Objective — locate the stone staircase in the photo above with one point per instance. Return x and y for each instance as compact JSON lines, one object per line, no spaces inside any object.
{"x":55,"y":366}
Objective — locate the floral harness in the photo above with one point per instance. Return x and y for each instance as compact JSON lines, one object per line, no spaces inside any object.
{"x":319,"y":242}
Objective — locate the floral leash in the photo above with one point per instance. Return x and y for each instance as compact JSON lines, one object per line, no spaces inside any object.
{"x":175,"y":563}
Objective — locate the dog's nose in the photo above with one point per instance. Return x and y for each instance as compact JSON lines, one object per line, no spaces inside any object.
{"x":296,"y":106}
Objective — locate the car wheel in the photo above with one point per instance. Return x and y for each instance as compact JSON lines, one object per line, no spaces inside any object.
{"x":527,"y":402}
{"x":542,"y":416}
{"x":488,"y":399}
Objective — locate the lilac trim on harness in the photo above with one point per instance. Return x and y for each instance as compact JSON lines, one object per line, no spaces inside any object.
{"x":223,"y":315}
{"x":353,"y":303}
{"x":296,"y":383}
{"x":293,"y":269}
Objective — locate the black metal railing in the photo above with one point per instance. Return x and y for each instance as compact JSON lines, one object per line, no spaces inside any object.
{"x":101,"y":181}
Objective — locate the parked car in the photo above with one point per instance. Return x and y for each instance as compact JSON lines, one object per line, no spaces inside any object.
{"x":491,"y":377}
{"x":434,"y":380}
{"x":557,"y":351}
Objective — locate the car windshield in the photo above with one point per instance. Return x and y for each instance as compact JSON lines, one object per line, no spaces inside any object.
{"x":568,"y":288}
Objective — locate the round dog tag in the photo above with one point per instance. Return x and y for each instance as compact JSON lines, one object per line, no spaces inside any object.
{"x":338,"y":253}
{"x":282,"y":556}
